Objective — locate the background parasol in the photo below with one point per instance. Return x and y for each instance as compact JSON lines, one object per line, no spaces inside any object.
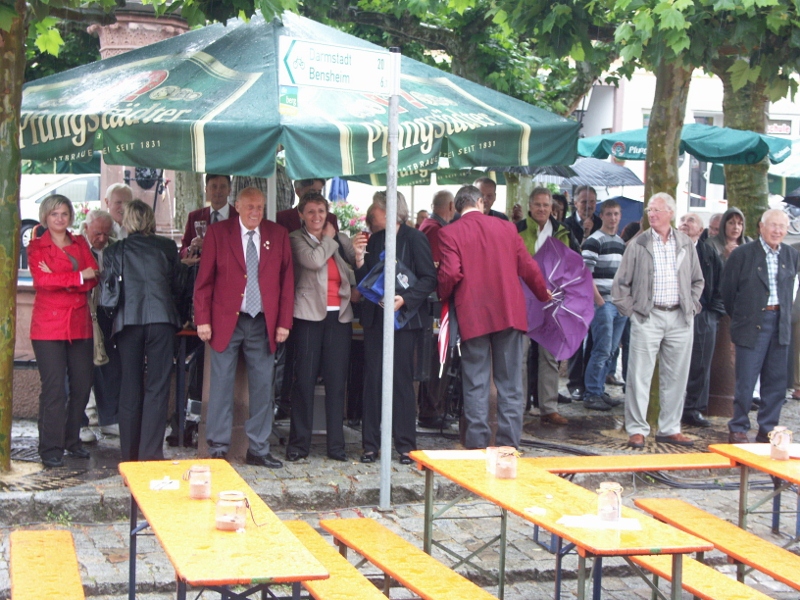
{"x":560,"y":324}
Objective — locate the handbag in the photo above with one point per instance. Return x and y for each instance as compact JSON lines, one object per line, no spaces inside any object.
{"x":111,"y":282}
{"x":99,"y":356}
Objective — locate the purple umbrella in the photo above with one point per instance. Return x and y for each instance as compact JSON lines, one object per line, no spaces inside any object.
{"x":560,"y":324}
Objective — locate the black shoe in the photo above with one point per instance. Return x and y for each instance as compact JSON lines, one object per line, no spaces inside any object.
{"x":262,"y":461}
{"x":281,"y":414}
{"x":612,"y":402}
{"x":431,"y":423}
{"x":368,"y":457}
{"x":695,"y":418}
{"x":293,"y":456}
{"x":756,"y":404}
{"x":405,"y":459}
{"x":217,"y":453}
{"x":79,"y":452}
{"x":339,"y":456}
{"x":762,"y":438}
{"x":595,"y":403}
{"x":611,"y":379}
{"x":562,"y":399}
{"x":53,"y":462}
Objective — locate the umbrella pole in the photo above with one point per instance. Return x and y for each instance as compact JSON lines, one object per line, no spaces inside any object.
{"x":388,"y":298}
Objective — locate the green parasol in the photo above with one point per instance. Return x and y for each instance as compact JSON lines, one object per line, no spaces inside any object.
{"x":705,"y":142}
{"x":211,"y":100}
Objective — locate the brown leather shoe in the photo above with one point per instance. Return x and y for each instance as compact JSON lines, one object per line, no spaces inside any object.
{"x":676,"y":439}
{"x":554,"y":419}
{"x":738,"y":437}
{"x":636,"y":441}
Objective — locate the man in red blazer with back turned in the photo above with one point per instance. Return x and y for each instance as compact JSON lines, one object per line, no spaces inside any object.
{"x":482,"y":261}
{"x":244,"y":298}
{"x":218,"y":188}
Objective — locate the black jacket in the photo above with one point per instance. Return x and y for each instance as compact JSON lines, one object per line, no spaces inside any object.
{"x":576,"y":227}
{"x":414,"y":251}
{"x":711,"y":265}
{"x":152,"y":280}
{"x":745,"y":291}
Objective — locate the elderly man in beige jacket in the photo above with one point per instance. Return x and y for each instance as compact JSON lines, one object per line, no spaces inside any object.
{"x":658,"y":286}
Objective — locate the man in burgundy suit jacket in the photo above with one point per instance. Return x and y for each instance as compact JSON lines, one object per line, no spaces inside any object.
{"x":290,"y":218}
{"x":482,"y":261}
{"x":244,"y":298}
{"x":218,"y":188}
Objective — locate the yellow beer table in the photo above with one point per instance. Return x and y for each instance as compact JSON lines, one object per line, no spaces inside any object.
{"x":543,"y":498}
{"x":265,"y":553}
{"x":784,"y":473}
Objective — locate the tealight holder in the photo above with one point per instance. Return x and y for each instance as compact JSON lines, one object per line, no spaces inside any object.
{"x":506,"y":464}
{"x":199,"y":477}
{"x":609,"y":501}
{"x":231,"y":511}
{"x":780,"y":439}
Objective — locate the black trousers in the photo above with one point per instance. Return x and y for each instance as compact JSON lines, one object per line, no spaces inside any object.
{"x":404,"y":406}
{"x":705,"y":338}
{"x":62,"y":365}
{"x":144,"y":395}
{"x":319,"y":347}
{"x":433,"y":392}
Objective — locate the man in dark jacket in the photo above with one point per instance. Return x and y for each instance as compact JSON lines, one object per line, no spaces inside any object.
{"x":705,"y":325}
{"x":757,"y":288}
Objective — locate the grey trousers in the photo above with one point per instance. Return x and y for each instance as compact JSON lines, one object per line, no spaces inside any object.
{"x":249,"y":335}
{"x":547,"y":382}
{"x":666,"y":335}
{"x":502,"y":353}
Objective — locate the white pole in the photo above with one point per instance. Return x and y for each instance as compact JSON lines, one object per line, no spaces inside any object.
{"x":388,"y":297}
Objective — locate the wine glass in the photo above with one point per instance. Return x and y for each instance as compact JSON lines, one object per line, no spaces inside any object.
{"x":200,"y":228}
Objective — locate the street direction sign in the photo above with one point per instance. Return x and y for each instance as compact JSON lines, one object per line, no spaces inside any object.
{"x":304,"y":62}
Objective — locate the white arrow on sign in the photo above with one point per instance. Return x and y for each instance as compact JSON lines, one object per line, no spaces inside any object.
{"x":304,"y":62}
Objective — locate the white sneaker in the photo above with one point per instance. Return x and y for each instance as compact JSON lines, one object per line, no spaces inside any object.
{"x":110,"y":430}
{"x":87,"y":435}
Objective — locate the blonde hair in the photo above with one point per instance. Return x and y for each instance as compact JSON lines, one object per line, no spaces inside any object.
{"x":139,"y":218}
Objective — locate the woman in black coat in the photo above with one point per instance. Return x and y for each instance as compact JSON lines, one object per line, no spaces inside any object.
{"x":144,"y":327}
{"x":413,"y":251}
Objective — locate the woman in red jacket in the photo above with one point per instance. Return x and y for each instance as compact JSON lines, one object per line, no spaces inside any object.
{"x":63,"y":271}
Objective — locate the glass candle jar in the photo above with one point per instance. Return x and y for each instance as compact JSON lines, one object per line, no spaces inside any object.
{"x":506,"y":466}
{"x":780,"y":439}
{"x":231,"y":511}
{"x":609,"y":501}
{"x":199,"y":477}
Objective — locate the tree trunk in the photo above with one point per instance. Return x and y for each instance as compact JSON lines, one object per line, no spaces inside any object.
{"x":664,"y":132}
{"x":12,"y":67}
{"x":518,"y":189}
{"x":663,"y":143}
{"x":746,"y":185}
{"x":188,"y":196}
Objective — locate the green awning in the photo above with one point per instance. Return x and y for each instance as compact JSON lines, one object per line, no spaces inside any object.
{"x":210,"y":101}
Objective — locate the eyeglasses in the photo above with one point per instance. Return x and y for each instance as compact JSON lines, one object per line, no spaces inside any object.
{"x":652,"y":211}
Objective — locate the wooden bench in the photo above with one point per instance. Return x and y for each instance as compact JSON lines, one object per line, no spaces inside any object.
{"x":43,"y":565}
{"x":743,"y":546}
{"x":402,"y":561}
{"x":700,"y":580}
{"x":568,"y":465}
{"x":345,"y":582}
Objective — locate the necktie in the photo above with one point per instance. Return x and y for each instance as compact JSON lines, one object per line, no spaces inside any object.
{"x":214,"y":217}
{"x":253,"y":294}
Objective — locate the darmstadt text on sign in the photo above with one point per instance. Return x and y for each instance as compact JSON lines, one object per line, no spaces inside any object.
{"x":304,"y":62}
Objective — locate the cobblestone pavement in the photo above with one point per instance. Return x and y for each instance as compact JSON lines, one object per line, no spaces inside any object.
{"x":318,"y":488}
